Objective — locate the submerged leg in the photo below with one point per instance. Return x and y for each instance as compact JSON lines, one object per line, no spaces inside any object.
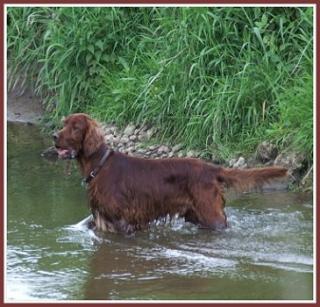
{"x":191,"y":216}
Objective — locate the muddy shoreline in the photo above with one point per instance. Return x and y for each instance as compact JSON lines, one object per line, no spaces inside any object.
{"x":24,"y":106}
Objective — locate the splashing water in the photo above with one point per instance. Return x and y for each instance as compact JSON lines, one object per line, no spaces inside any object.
{"x":266,"y":253}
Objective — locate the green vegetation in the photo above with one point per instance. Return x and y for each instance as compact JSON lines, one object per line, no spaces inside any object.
{"x":216,"y":79}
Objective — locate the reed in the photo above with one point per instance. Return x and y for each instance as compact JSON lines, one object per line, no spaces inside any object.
{"x":215,"y":79}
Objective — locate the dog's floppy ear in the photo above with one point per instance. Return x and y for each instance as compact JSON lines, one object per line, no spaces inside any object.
{"x":92,"y":138}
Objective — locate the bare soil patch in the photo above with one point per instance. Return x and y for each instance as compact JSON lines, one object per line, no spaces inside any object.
{"x":24,"y":106}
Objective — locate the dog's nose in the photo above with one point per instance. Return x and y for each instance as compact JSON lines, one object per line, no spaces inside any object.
{"x":55,"y":136}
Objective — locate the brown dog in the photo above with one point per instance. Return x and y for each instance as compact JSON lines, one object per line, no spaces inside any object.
{"x":127,"y":193}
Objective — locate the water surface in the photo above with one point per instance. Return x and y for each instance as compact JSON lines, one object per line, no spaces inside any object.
{"x":267,"y":253}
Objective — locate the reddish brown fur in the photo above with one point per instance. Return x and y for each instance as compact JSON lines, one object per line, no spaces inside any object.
{"x":129,"y":193}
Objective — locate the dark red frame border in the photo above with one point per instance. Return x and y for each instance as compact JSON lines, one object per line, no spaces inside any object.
{"x":3,"y":123}
{"x":160,"y":2}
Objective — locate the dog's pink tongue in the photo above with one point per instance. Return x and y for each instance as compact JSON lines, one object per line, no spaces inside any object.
{"x":62,"y":153}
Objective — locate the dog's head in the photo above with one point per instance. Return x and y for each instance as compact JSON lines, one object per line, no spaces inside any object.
{"x":79,"y":136}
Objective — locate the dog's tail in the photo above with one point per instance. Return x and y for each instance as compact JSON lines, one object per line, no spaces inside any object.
{"x":241,"y":179}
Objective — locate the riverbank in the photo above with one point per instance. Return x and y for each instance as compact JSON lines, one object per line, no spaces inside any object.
{"x":186,"y":71}
{"x":24,"y":106}
{"x":143,"y":141}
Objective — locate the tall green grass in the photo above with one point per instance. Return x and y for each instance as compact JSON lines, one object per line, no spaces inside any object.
{"x":216,"y":79}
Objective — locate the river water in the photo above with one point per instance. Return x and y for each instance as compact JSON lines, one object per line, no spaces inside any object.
{"x":266,"y":254}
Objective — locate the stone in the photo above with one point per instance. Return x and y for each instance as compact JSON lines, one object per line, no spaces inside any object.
{"x":290,"y":160}
{"x":153,"y":147}
{"x":232,"y":162}
{"x":130,"y":149}
{"x":241,"y":163}
{"x":177,"y":147}
{"x":191,"y":154}
{"x":132,"y":137}
{"x":294,"y":162}
{"x":109,"y":138}
{"x":110,"y":130}
{"x":116,"y":140}
{"x":129,"y":130}
{"x":149,"y":133}
{"x":163,"y":149}
{"x":266,"y":152}
{"x":124,"y":139}
{"x":141,"y":137}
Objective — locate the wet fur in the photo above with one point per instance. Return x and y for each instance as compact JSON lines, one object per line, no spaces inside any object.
{"x":131,"y":192}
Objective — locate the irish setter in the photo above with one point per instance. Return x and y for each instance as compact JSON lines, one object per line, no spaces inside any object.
{"x":127,"y":193}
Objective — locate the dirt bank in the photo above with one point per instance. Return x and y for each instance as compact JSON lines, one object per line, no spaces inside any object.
{"x":24,"y":106}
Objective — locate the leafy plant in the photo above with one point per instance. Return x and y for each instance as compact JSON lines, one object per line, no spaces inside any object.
{"x":212,"y":78}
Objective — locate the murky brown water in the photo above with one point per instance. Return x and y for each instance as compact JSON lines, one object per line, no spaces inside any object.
{"x":267,"y":253}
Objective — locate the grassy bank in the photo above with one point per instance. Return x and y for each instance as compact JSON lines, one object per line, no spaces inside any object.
{"x":215,"y":79}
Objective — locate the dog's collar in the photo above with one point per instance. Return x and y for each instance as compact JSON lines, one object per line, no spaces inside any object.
{"x":96,"y":170}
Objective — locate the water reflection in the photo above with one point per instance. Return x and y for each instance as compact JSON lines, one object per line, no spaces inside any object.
{"x":214,"y":266}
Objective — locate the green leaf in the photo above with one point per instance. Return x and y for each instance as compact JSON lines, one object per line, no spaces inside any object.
{"x":100,"y":44}
{"x":98,"y":55}
{"x":91,"y":49}
{"x":124,"y":63}
{"x":89,"y":58}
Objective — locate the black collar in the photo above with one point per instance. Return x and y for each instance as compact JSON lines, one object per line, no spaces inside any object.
{"x":96,"y":170}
